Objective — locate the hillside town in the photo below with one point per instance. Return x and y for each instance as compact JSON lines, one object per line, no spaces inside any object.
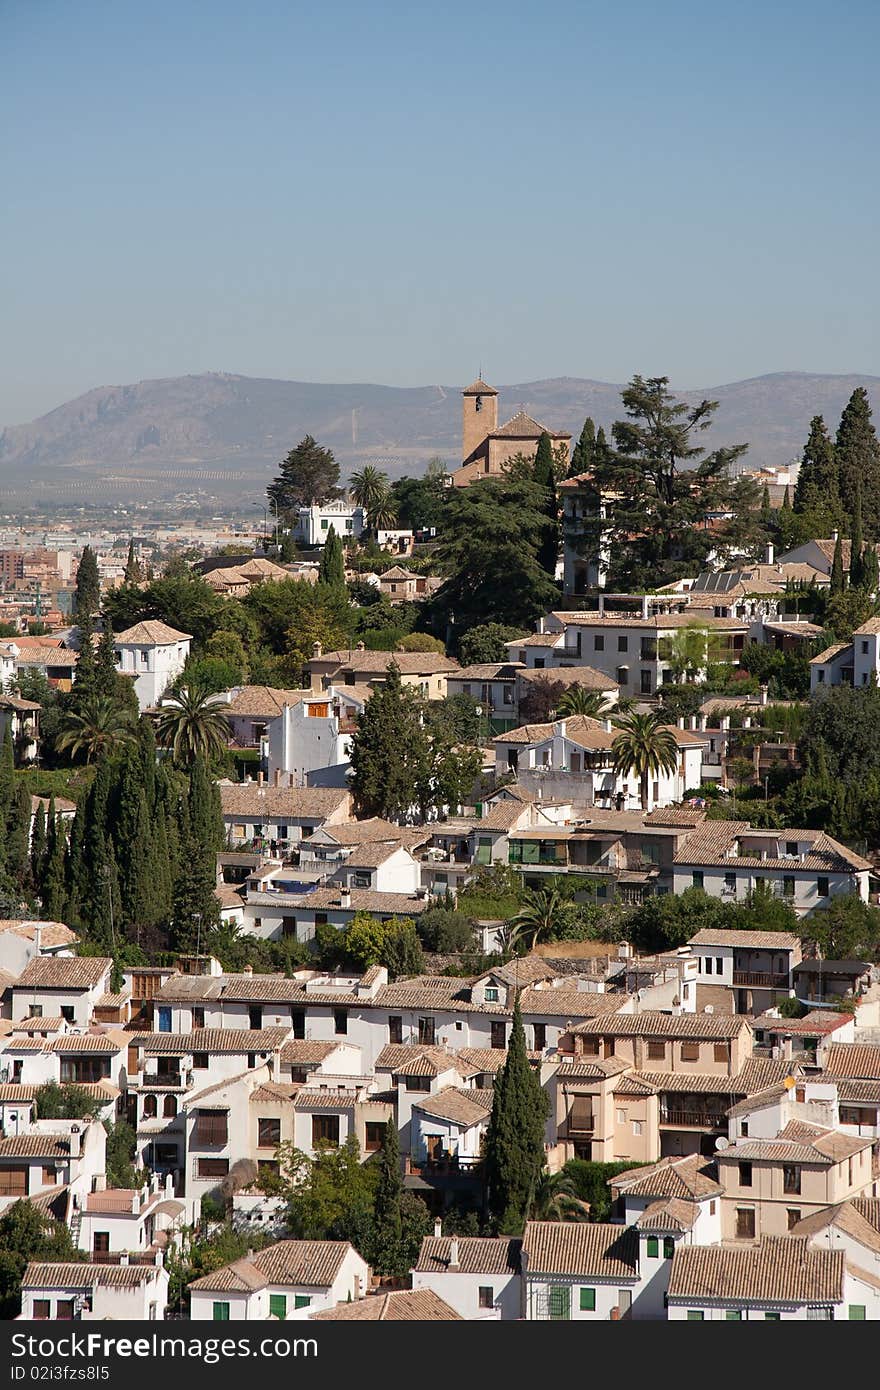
{"x":457,"y":898}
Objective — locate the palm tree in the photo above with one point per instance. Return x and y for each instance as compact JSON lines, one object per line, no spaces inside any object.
{"x":577,"y":700}
{"x":192,"y":724}
{"x":538,"y":918}
{"x":644,"y":745}
{"x":99,"y":727}
{"x":555,"y":1199}
{"x":370,"y":490}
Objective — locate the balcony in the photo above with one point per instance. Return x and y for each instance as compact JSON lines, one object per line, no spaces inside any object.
{"x":450,"y":1165}
{"x":170,"y":1081}
{"x":760,"y":979}
{"x":693,"y":1119}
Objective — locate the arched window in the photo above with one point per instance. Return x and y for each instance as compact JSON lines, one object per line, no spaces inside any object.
{"x":169,"y":1109}
{"x":150,"y":1108}
{"x":478,"y":403}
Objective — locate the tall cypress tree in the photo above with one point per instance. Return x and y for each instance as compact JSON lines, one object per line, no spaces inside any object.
{"x":389,"y":1191}
{"x":133,"y":572}
{"x":870,"y":570}
{"x":515,"y":1136}
{"x":858,"y":459}
{"x":38,"y":846}
{"x":838,"y":582}
{"x":106,"y":675}
{"x":332,"y":567}
{"x":584,"y":453}
{"x":87,"y":597}
{"x":544,"y":475}
{"x":52,"y":890}
{"x":18,"y":829}
{"x":85,"y":686}
{"x":817,"y":487}
{"x":7,"y":789}
{"x":856,"y":543}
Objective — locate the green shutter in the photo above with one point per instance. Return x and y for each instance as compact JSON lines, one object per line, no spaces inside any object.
{"x":221,"y":1312}
{"x":588,"y":1300}
{"x":733,"y":1315}
{"x":695,"y":1315}
{"x":653,"y":1247}
{"x":559,"y":1302}
{"x":668,"y":1247}
{"x":301,"y":1300}
{"x":857,"y":1312}
{"x":278,"y":1305}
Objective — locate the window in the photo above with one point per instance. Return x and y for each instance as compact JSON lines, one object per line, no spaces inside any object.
{"x":198,"y":1018}
{"x":278,"y":1305}
{"x":719,"y":965}
{"x":486,"y":1296}
{"x":668,"y":1247}
{"x":656,"y":1050}
{"x":588,"y":1300}
{"x":621,"y":1117}
{"x":395,"y":1028}
{"x":151,"y":1107}
{"x":221,"y":1312}
{"x":301,"y":1300}
{"x":730,"y":883}
{"x":164,"y":1020}
{"x":653,"y":1248}
{"x":427,"y":1031}
{"x":212,"y":1128}
{"x":719,"y":1052}
{"x":373,"y":1135}
{"x":41,"y":1310}
{"x":64,"y":1310}
{"x":212,"y":1167}
{"x":169,"y":1107}
{"x":744,"y":1129}
{"x":793,"y":1215}
{"x":622,"y":643}
{"x":498,"y":1035}
{"x":745,"y":1175}
{"x":298,"y":1023}
{"x":856,"y":1312}
{"x":268,"y":1133}
{"x":417,"y":1083}
{"x":690,"y":1052}
{"x":645,"y":677}
{"x":791,"y":1178}
{"x":745,"y":1223}
{"x":637,"y":1128}
{"x":491,"y":994}
{"x":695,"y":1315}
{"x":707,"y":964}
{"x":255,"y":1016}
{"x":822,"y":886}
{"x":539,"y":1031}
{"x":200,"y":1061}
{"x":697,"y":882}
{"x":101,"y":1242}
{"x":559,"y":1303}
{"x":864,"y":648}
{"x":325,"y":1130}
{"x":599,"y":642}
{"x":788,"y":886}
{"x":67,"y":1012}
{"x":772,"y":1317}
{"x":733,"y":1315}
{"x":340,"y":1020}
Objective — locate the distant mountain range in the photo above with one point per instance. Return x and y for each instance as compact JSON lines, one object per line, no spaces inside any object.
{"x":223,"y":435}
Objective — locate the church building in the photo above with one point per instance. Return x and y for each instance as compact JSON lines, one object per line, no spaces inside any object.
{"x":486,"y":448}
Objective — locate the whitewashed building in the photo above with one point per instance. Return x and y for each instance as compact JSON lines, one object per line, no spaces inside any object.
{"x":152,"y":654}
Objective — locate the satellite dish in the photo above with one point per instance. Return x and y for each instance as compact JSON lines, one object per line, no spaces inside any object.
{"x":789,"y":1082}
{"x":721,"y":1143}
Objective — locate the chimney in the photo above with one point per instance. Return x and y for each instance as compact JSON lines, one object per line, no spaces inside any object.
{"x":247,"y":970}
{"x":123,"y":1258}
{"x":680,"y":722}
{"x":560,"y":727}
{"x":75,"y":1141}
{"x":601,"y":604}
{"x":769,"y":553}
{"x":607,"y":725}
{"x":317,"y":650}
{"x":438,"y":1228}
{"x":38,"y":938}
{"x":276,"y":778}
{"x":259,"y":779}
{"x":453,"y":1253}
{"x":345,"y":898}
{"x":763,"y":694}
{"x":834,"y":535}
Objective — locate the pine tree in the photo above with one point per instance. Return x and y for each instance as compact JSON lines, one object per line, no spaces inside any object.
{"x":515,"y":1136}
{"x":548,"y":552}
{"x":858,"y":458}
{"x":838,"y":582}
{"x":584,"y":453}
{"x":87,"y":597}
{"x":856,"y":543}
{"x":332,"y":567}
{"x":388,"y":750}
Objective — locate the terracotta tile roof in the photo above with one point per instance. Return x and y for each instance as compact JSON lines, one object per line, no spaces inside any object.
{"x":853,"y":1091}
{"x":324,"y":1100}
{"x":362,"y":900}
{"x":275,"y":1090}
{"x":523,"y":971}
{"x":652,"y":1024}
{"x":86,"y":1276}
{"x":797,"y":1143}
{"x":720,"y":999}
{"x":305,"y":1263}
{"x":595,"y":1250}
{"x":490,"y":671}
{"x":568,"y":1003}
{"x":404,"y":1305}
{"x":761,"y":1101}
{"x":522,"y":426}
{"x":262,"y":701}
{"x":690,"y":1179}
{"x":586,"y":676}
{"x":782,"y":1269}
{"x":296,"y":803}
{"x":42,"y":1145}
{"x":479,"y":388}
{"x":52,"y":934}
{"x":859,"y":1218}
{"x":151,"y":633}
{"x":816,"y":1023}
{"x":413,"y":1059}
{"x":241,"y":1276}
{"x":37,"y":1023}
{"x":302,"y":1051}
{"x":211,"y":1040}
{"x":360,"y":832}
{"x":760,"y":1072}
{"x":767,"y":940}
{"x":671,"y":1214}
{"x":634,"y":1085}
{"x":700,"y":1083}
{"x":828,"y":653}
{"x":591,"y":1068}
{"x":63,"y":972}
{"x":371,"y":854}
{"x":377,"y":663}
{"x":105,"y":1043}
{"x":858,"y":1060}
{"x":715,"y":843}
{"x":476,"y":1255}
{"x":460,"y":1106}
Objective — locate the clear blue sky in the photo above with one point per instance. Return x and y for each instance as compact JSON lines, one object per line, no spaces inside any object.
{"x":354,"y":191}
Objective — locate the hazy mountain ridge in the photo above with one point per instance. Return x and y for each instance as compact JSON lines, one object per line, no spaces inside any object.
{"x":168,"y":431}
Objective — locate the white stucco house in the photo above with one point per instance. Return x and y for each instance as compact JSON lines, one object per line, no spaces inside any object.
{"x":94,"y":1292}
{"x":152,"y":654}
{"x":477,"y":1276}
{"x":294,"y":1277}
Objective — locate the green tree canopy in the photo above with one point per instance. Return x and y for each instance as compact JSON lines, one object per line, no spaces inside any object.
{"x":307,"y":475}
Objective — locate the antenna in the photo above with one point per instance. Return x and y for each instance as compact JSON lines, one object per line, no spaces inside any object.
{"x":721,"y":1143}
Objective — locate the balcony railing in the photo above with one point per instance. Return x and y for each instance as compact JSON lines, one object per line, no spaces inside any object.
{"x":760,"y":979}
{"x":693,"y":1119}
{"x":448,"y":1166}
{"x":173,"y":1081}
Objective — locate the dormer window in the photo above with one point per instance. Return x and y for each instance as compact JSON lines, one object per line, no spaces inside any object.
{"x":491,"y":994}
